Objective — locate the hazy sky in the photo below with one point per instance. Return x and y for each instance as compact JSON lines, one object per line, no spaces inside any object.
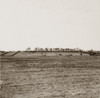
{"x":49,"y":23}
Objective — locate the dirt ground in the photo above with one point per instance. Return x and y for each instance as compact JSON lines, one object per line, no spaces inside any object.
{"x":50,"y":77}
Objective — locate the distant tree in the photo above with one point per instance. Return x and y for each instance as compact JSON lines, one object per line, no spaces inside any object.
{"x":28,"y":49}
{"x":36,"y":49}
{"x":41,"y":49}
{"x":91,"y":50}
{"x":56,"y":49}
{"x":50,"y":49}
{"x":46,"y":49}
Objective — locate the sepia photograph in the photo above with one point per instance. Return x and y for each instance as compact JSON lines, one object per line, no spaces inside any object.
{"x":49,"y":48}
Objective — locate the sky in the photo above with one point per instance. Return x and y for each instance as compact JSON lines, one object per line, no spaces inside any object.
{"x":49,"y":23}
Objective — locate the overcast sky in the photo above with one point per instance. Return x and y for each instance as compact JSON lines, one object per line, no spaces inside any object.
{"x":49,"y":23}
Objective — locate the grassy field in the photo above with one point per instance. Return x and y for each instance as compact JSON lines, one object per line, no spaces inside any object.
{"x":50,"y":77}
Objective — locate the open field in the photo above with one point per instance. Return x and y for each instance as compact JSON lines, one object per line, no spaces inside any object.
{"x":50,"y":77}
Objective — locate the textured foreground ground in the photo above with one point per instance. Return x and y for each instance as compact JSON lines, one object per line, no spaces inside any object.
{"x":50,"y":77}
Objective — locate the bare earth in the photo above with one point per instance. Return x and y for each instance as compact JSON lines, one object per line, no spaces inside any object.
{"x":50,"y":77}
